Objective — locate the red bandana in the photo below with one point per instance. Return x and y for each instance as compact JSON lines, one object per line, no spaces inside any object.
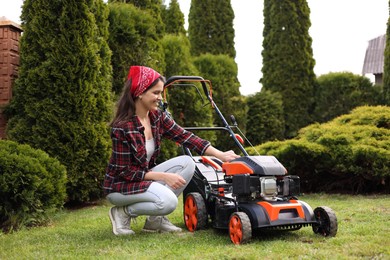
{"x":141,"y":78}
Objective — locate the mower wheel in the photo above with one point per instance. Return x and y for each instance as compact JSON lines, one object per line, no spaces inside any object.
{"x":326,"y":222}
{"x":240,"y":229}
{"x":195,"y":212}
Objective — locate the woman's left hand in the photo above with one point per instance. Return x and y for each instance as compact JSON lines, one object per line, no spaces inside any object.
{"x":223,"y":156}
{"x":227,"y":156}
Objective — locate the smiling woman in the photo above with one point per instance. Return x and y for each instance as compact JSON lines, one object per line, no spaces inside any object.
{"x":134,"y":183}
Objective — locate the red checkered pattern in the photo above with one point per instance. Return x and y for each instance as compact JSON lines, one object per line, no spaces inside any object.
{"x":128,"y":164}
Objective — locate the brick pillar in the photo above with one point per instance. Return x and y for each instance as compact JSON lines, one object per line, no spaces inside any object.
{"x":10,"y":33}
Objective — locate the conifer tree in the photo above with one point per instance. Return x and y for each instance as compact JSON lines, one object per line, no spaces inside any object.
{"x":220,"y":70}
{"x":338,"y":93}
{"x":211,"y":33}
{"x":265,"y":119}
{"x":61,"y":101}
{"x":151,"y":6}
{"x":173,"y":18}
{"x":186,"y":101}
{"x":386,"y":69}
{"x":210,"y":27}
{"x":133,"y":40}
{"x":288,"y":64}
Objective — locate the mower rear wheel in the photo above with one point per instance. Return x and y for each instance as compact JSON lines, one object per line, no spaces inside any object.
{"x":240,"y":229}
{"x":326,"y":222}
{"x":195,"y":212}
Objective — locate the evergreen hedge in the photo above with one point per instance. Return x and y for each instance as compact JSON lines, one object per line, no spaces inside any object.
{"x":134,"y":41}
{"x":288,"y":63}
{"x":210,"y":28}
{"x":338,"y":93}
{"x":348,"y":154}
{"x":265,"y":119}
{"x":221,"y":70}
{"x":31,"y":183}
{"x":61,"y":99}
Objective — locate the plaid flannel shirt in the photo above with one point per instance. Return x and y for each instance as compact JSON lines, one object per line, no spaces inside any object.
{"x":128,"y":164}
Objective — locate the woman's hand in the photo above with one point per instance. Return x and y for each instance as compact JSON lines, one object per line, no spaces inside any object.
{"x":223,"y":156}
{"x":228,"y":156}
{"x":173,"y":180}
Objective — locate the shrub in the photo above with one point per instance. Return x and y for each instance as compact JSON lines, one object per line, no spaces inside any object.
{"x":61,"y":98}
{"x":350,"y":153}
{"x":265,"y":119}
{"x":31,"y":183}
{"x":338,"y":93}
{"x":305,"y":159}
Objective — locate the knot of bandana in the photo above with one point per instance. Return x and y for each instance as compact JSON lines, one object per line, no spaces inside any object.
{"x":141,"y":78}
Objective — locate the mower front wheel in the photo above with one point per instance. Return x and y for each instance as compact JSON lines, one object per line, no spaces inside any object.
{"x":195,"y":212}
{"x":240,"y":229}
{"x":326,"y":222}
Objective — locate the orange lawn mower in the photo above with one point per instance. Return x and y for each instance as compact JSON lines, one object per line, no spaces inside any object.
{"x":247,"y":194}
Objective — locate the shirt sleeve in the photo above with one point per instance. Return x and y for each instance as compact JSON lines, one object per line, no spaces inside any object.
{"x":186,"y":138}
{"x":122,"y":151}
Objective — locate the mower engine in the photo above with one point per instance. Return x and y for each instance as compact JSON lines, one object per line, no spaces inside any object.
{"x":261,"y":177}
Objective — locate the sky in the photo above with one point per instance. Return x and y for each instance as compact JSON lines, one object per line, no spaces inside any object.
{"x":340,"y":30}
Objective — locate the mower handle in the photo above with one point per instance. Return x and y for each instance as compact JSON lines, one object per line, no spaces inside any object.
{"x":173,"y":79}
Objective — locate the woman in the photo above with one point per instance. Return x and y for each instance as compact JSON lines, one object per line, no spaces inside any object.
{"x":133,"y":182}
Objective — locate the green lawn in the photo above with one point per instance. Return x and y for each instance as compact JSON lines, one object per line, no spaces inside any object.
{"x":364,"y":233}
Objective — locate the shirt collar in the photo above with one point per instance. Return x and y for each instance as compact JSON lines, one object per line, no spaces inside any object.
{"x":154,"y":117}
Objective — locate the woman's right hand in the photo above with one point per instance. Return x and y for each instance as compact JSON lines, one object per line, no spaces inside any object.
{"x":173,"y":180}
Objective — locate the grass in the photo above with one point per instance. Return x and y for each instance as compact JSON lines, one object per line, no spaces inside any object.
{"x":363,"y":233}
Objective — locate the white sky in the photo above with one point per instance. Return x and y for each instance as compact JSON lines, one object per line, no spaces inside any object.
{"x":340,"y":30}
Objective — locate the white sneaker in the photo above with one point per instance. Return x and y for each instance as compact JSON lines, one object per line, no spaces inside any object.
{"x":159,"y":224}
{"x":120,"y":221}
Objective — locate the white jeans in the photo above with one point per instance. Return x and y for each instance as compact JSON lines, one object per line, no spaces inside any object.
{"x":159,"y":199}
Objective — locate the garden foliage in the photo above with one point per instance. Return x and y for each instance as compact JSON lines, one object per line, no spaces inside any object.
{"x":337,"y":93}
{"x":210,"y":28}
{"x":288,"y":63}
{"x":265,"y":120}
{"x":61,"y":102}
{"x":348,"y":154}
{"x":134,"y":41}
{"x":31,"y":183}
{"x":173,"y":18}
{"x":386,"y":67}
{"x":221,"y":71}
{"x":185,"y":103}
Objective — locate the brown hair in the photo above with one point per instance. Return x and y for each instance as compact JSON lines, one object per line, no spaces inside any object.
{"x":126,"y":103}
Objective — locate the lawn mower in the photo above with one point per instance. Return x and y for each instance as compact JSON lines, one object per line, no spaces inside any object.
{"x":248,"y":194}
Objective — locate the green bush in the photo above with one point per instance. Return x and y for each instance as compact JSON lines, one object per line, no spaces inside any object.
{"x":133,"y":39}
{"x":348,"y":154}
{"x":338,"y":93}
{"x":62,"y":96}
{"x":31,"y":183}
{"x":305,"y":159}
{"x":265,"y":119}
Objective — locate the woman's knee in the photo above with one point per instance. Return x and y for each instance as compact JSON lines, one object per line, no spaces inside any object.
{"x":164,"y":200}
{"x":167,"y":203}
{"x":188,"y":162}
{"x":117,"y":199}
{"x":188,"y":165}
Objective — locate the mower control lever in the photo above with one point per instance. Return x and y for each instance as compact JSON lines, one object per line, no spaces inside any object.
{"x":209,"y":161}
{"x":233,"y":120}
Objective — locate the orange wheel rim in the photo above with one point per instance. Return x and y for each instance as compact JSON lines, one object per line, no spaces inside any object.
{"x":190,"y":212}
{"x":235,"y":230}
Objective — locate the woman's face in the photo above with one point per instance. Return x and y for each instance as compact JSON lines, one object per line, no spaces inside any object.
{"x":151,"y":97}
